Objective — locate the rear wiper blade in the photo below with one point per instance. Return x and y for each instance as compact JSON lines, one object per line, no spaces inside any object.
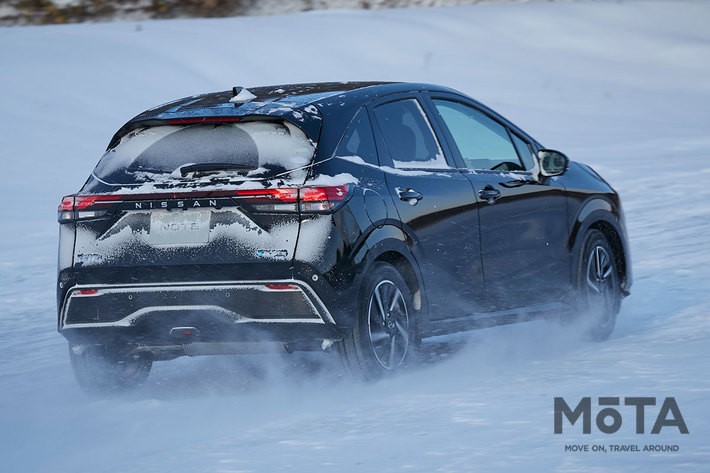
{"x":204,"y":168}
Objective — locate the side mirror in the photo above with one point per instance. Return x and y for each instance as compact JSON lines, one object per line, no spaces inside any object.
{"x":552,"y":163}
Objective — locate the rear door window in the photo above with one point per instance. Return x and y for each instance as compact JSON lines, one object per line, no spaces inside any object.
{"x":409,"y":136}
{"x":159,"y":153}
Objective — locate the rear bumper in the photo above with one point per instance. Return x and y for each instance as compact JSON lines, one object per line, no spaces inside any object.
{"x":210,"y":317}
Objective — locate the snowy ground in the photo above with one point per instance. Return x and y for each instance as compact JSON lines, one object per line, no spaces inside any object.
{"x":623,"y":86}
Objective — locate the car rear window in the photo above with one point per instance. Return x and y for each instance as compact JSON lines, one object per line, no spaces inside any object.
{"x":159,"y":153}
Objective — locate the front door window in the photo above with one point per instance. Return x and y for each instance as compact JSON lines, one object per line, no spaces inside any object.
{"x":483,"y":143}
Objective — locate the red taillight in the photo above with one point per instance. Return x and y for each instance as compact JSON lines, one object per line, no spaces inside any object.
{"x":327,"y":193}
{"x":287,"y":199}
{"x":84,"y":201}
{"x":67,"y":204}
{"x":305,"y":199}
{"x":289,"y":195}
{"x":322,"y":198}
{"x":73,"y":207}
{"x":270,"y":200}
{"x":65,"y":212}
{"x":81,"y":202}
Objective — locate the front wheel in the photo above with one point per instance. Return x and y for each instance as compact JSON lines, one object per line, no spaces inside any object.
{"x":383,"y":335}
{"x":98,"y":370}
{"x":600,"y":292}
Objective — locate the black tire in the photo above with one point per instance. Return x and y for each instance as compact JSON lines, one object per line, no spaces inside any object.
{"x":383,"y":337}
{"x":99,"y":371}
{"x":599,"y":287}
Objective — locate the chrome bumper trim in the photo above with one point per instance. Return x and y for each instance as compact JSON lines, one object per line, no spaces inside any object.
{"x":320,"y":311}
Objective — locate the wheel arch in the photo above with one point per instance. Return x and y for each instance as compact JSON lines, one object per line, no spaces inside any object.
{"x":405,"y":268}
{"x":391,"y":245}
{"x":612,"y":236}
{"x":602,"y":218}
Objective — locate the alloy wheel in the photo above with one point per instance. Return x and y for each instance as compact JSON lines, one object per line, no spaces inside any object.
{"x":601,"y":282}
{"x":388,"y":325}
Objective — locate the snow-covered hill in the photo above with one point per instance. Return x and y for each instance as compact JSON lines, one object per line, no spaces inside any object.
{"x":623,"y":86}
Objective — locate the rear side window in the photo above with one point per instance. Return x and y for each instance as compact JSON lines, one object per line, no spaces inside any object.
{"x":158,"y":153}
{"x":409,"y":136}
{"x":358,"y":140}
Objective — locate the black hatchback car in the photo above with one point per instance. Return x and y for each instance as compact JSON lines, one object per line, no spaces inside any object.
{"x":361,"y":217}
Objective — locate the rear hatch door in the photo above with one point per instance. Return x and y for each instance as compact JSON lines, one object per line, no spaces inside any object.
{"x":218,"y":199}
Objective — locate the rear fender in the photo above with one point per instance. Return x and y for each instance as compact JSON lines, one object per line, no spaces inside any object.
{"x":390,"y":244}
{"x":341,"y":285}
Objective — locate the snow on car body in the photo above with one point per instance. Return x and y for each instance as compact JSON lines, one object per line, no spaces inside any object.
{"x":364,"y":216}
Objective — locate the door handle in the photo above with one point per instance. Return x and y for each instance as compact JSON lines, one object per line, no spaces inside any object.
{"x":489,"y":194}
{"x":409,"y":195}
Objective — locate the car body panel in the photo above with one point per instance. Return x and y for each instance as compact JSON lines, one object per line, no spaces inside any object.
{"x":442,"y":229}
{"x":525,"y":258}
{"x":468,"y":263}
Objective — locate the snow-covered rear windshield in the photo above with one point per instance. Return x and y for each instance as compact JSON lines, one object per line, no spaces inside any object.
{"x":158,"y":153}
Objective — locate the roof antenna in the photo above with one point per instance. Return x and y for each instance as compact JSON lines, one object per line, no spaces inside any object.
{"x":241,"y":95}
